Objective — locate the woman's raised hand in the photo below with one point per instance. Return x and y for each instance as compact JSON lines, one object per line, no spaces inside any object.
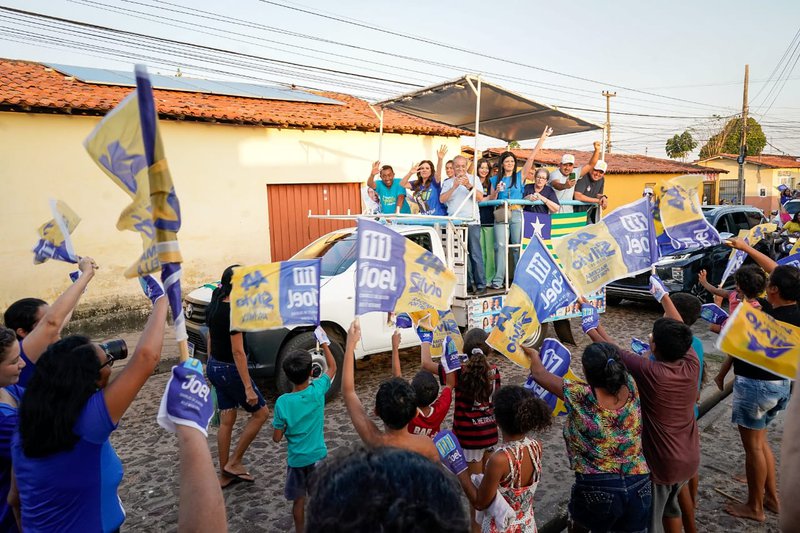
{"x":442,"y":151}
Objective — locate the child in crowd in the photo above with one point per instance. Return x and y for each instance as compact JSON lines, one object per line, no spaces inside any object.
{"x":668,"y":390}
{"x":689,"y":307}
{"x":514,"y":469}
{"x":751,"y":281}
{"x":603,"y":434}
{"x":395,"y":405}
{"x":475,"y":385}
{"x":300,"y":416}
{"x":431,"y":410}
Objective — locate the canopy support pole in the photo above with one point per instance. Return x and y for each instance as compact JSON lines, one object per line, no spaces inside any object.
{"x":379,"y":116}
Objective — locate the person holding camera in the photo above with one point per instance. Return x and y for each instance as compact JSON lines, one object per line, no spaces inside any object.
{"x":67,"y":472}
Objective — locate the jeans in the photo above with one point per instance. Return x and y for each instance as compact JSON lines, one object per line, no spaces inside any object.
{"x":230,"y":388}
{"x":475,"y":272}
{"x":501,"y":246}
{"x":756,"y":402}
{"x":604,"y":502}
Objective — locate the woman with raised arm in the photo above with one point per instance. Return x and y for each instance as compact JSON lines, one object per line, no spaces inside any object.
{"x":67,"y":472}
{"x":509,"y":185}
{"x":424,"y":188}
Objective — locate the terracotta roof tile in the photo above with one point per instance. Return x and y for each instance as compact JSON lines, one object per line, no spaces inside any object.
{"x":767,"y":160}
{"x":617,"y":163}
{"x":30,"y":86}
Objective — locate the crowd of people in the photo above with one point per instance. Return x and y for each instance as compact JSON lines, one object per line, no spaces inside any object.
{"x":495,"y":231}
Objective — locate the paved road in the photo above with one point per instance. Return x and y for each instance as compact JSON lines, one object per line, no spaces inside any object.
{"x":149,"y":488}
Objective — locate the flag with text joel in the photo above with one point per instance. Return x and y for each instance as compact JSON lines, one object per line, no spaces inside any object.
{"x":539,"y":289}
{"x":275,"y":295}
{"x":55,"y":240}
{"x":556,"y":359}
{"x":753,"y":336}
{"x":622,"y":244}
{"x":394,"y":274}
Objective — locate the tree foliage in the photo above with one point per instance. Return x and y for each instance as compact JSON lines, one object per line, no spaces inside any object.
{"x":513,"y":145}
{"x":727,"y":140}
{"x":680,"y":146}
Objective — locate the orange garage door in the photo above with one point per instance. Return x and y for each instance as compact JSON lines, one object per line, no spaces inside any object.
{"x":290,"y":229}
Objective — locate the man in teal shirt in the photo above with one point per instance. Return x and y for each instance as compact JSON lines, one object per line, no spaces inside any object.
{"x":391,"y":194}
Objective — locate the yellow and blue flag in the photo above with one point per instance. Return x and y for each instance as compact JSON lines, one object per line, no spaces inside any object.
{"x":446,"y":327}
{"x":117,"y":146}
{"x":556,"y":359}
{"x":275,"y":295}
{"x":539,"y":289}
{"x":755,"y":337}
{"x":622,"y":244}
{"x":680,"y":224}
{"x":791,"y":260}
{"x":55,"y":240}
{"x":751,"y":237}
{"x":395,"y":275}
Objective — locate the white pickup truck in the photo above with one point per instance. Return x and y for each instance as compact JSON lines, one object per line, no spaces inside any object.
{"x":337,"y":306}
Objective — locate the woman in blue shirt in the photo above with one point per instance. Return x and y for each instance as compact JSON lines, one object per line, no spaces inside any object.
{"x":66,"y":470}
{"x":509,"y":185}
{"x":425,"y":189}
{"x":11,"y":365}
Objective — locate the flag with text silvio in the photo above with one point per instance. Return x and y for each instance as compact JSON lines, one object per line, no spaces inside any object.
{"x":55,"y":241}
{"x":622,"y":244}
{"x":165,"y":208}
{"x":539,"y":289}
{"x":752,"y":237}
{"x":394,"y":274}
{"x":116,"y":145}
{"x":556,"y":359}
{"x":682,"y":225}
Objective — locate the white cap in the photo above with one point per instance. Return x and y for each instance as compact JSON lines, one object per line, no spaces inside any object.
{"x":601,"y":165}
{"x":647,"y":190}
{"x":567,"y":158}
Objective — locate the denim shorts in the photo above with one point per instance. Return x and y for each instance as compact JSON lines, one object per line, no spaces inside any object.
{"x":611,"y":502}
{"x":756,"y":402}
{"x":297,"y":481}
{"x":229,"y":387}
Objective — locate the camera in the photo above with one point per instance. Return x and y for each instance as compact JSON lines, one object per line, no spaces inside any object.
{"x":116,"y":349}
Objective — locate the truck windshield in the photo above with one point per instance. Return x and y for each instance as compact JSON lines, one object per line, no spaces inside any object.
{"x":337,"y":251}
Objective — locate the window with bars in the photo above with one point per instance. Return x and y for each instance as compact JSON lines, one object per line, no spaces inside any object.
{"x":727,"y":191}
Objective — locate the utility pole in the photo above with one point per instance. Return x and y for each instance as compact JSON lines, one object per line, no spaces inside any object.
{"x":608,"y":96}
{"x":743,"y":145}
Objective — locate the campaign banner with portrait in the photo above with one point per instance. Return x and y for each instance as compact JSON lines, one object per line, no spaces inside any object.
{"x":275,"y":295}
{"x":622,"y":244}
{"x":753,"y":336}
{"x":55,"y":241}
{"x":395,"y":275}
{"x":539,"y":289}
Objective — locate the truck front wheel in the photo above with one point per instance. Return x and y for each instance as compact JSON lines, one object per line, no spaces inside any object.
{"x":306,"y":342}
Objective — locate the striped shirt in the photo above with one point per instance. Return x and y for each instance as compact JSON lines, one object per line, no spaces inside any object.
{"x":473,"y":422}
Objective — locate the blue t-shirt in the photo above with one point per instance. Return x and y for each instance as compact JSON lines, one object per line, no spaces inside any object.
{"x":428,"y":199}
{"x":301,"y":416}
{"x":27,"y":372}
{"x":73,"y":490}
{"x":8,"y":425}
{"x":697,"y":346}
{"x":510,"y":193}
{"x":388,"y":197}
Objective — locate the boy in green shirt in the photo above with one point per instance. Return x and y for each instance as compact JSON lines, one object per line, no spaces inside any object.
{"x":300,"y":415}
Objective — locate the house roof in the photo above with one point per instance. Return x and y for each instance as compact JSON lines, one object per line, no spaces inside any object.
{"x":765,"y":160}
{"x":27,"y":86}
{"x":617,"y":163}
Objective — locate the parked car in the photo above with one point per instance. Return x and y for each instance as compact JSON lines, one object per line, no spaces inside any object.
{"x":679,"y":272}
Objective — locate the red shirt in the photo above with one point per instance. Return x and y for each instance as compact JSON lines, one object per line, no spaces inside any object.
{"x":473,"y":422}
{"x":431,"y":424}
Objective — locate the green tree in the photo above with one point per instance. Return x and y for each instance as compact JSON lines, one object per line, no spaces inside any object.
{"x":513,"y":145}
{"x":727,"y":140}
{"x":680,"y":146}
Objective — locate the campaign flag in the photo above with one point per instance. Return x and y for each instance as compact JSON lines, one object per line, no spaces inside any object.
{"x":556,"y":359}
{"x":539,"y":289}
{"x":737,"y":257}
{"x":678,"y":209}
{"x":394,"y":274}
{"x":54,"y":236}
{"x":796,"y":248}
{"x":791,"y":260}
{"x":117,"y":146}
{"x":622,"y":244}
{"x":713,"y":313}
{"x":753,"y":336}
{"x":447,"y":327}
{"x":275,"y":295}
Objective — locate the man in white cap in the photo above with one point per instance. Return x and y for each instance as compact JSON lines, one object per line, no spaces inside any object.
{"x":564,"y":177}
{"x":589,"y":189}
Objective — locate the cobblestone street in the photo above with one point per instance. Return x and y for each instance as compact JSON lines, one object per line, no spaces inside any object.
{"x":149,"y":489}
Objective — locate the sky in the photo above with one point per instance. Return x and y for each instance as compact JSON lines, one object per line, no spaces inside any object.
{"x":673,"y":65}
